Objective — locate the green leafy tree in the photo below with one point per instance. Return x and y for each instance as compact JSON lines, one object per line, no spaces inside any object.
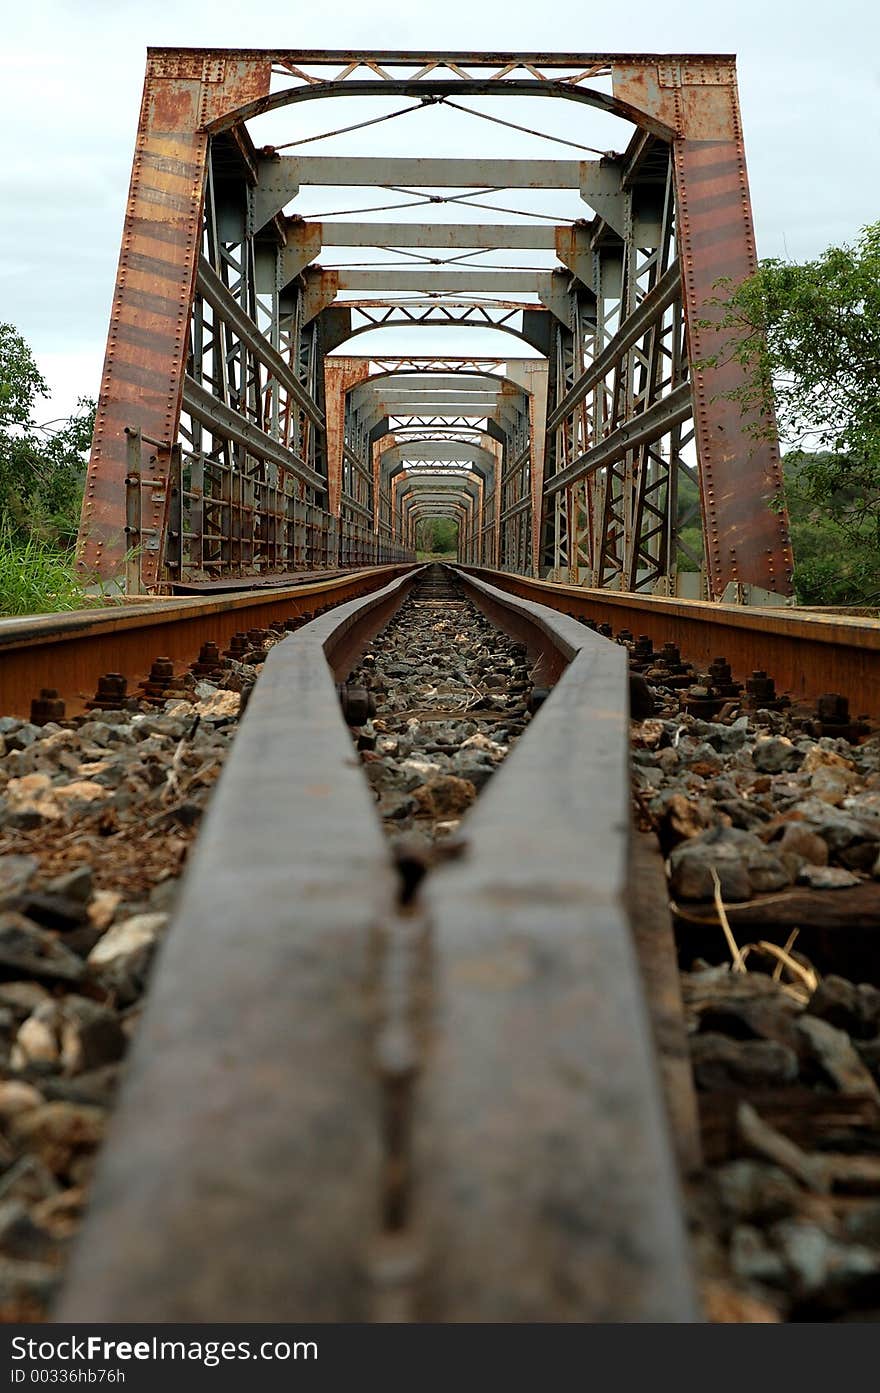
{"x":41,"y":465}
{"x":438,"y":536}
{"x":808,"y":337}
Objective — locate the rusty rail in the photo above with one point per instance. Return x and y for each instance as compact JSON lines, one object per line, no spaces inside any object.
{"x":806,"y":652}
{"x":345,"y":1107}
{"x":69,"y":652}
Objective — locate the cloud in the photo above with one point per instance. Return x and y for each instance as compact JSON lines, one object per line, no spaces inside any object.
{"x":71,"y":77}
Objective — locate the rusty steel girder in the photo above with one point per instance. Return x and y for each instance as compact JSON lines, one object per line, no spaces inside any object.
{"x":230,"y":444}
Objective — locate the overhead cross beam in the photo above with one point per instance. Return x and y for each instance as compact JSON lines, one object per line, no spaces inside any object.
{"x":448,"y":236}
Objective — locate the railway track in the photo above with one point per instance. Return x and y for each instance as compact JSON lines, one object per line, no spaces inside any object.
{"x":70,"y":653}
{"x":444,"y":1074}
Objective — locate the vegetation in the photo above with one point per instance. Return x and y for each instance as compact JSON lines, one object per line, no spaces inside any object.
{"x":41,"y":466}
{"x":436,"y":537}
{"x":35,"y":577}
{"x":808,"y":337}
{"x":831,"y":567}
{"x":41,"y":479}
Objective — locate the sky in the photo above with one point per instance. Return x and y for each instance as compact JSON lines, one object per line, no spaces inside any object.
{"x":70,"y":85}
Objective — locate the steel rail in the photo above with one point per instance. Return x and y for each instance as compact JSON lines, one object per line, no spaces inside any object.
{"x":69,"y":652}
{"x":301,"y":1022}
{"x":807,"y":654}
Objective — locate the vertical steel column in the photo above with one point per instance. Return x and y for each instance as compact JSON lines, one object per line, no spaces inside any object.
{"x":534,"y":378}
{"x":142,"y":380}
{"x":746,"y":540}
{"x":340,"y":374}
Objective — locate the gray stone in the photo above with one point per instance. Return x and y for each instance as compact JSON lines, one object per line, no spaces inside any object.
{"x":478,"y":771}
{"x":15,"y":873}
{"x":723,"y":850}
{"x":752,"y":1258}
{"x":96,"y":1087}
{"x":720,"y":1063}
{"x":25,"y":947}
{"x":122,"y":957}
{"x":91,"y":1035}
{"x":397,"y":806}
{"x":837,"y":1001}
{"x":755,"y":1191}
{"x":775,"y":755}
{"x":22,"y":737}
{"x":766,"y":871}
{"x":19,"y":1235}
{"x":827,"y":877}
{"x":22,"y":997}
{"x":833,"y":1051}
{"x":27,"y":1286}
{"x":817,"y":1262}
{"x":28,"y":1179}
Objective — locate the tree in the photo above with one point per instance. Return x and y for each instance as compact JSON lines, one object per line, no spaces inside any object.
{"x":438,"y":536}
{"x":808,"y":337}
{"x":41,"y":465}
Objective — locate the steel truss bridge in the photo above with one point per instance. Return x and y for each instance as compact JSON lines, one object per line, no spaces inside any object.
{"x":240,"y":437}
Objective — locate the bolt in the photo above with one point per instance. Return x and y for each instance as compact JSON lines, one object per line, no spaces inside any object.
{"x":209,"y":660}
{"x":760,"y":685}
{"x":161,"y":673}
{"x":46,"y":707}
{"x":643,"y":649}
{"x":832,"y":709}
{"x":111,"y":693}
{"x":358,"y":705}
{"x":719,"y":671}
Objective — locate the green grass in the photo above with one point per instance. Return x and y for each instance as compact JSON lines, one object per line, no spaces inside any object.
{"x":36,"y":578}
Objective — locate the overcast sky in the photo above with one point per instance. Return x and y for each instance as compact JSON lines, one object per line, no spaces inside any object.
{"x":70,"y":83}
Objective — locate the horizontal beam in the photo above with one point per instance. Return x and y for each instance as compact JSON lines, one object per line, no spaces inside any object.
{"x":417,"y":407}
{"x":391,"y":383}
{"x":436,"y":450}
{"x":455,"y":475}
{"x":385,"y":389}
{"x":222,"y":420}
{"x":420,"y":363}
{"x":503,"y":306}
{"x":641,"y":430}
{"x":516,"y":509}
{"x":420,"y":407}
{"x":468,"y":236}
{"x":439,"y":398}
{"x":517,"y":282}
{"x":344,"y":171}
{"x":409,"y":58}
